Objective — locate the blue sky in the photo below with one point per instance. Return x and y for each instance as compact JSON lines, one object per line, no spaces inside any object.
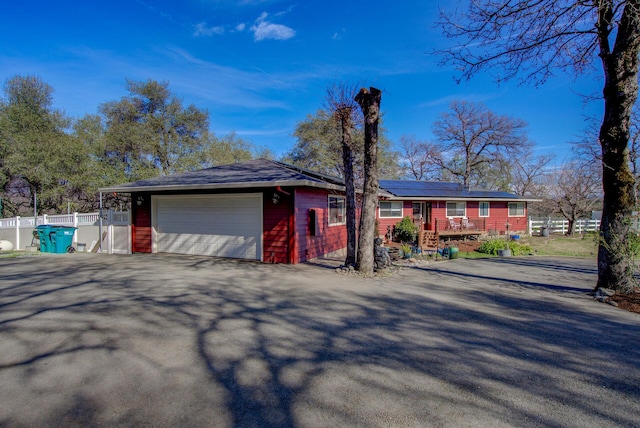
{"x":261,"y":66}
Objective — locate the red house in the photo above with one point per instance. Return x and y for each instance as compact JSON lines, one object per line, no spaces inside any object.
{"x":451,"y":209}
{"x":277,"y":213}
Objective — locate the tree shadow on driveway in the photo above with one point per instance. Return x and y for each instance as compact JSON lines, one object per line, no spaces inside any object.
{"x":119,"y":340}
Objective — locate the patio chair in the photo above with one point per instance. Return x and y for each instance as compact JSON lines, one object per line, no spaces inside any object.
{"x":467,"y":224}
{"x":453,"y":225}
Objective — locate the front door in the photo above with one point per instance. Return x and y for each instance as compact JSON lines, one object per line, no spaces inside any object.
{"x":419,"y":215}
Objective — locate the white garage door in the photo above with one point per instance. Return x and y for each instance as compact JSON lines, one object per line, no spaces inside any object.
{"x":221,"y":225}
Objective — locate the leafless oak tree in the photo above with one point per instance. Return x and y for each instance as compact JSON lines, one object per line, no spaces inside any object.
{"x":340,"y":100}
{"x":573,"y":190}
{"x":471,"y":137}
{"x":533,"y":40}
{"x":528,"y":172}
{"x":417,"y":158}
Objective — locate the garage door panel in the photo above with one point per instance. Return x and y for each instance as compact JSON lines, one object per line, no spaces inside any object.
{"x":225,"y":226}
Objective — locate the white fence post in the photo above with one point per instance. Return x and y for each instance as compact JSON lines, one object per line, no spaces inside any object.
{"x":44,"y":219}
{"x":75,"y":224}
{"x":17,"y":232}
{"x":110,"y":232}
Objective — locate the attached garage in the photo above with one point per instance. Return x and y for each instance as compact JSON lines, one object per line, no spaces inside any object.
{"x":256,"y":210}
{"x":228,"y":225}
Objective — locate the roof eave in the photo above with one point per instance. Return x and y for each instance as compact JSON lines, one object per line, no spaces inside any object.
{"x":221,"y":186}
{"x":457,"y":198}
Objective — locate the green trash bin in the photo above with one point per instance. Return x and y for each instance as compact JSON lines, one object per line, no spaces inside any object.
{"x":62,"y":239}
{"x":44,"y":238}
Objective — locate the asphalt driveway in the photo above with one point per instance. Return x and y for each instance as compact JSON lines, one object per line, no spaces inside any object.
{"x":163,"y":340}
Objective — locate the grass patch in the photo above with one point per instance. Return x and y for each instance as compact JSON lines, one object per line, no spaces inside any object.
{"x":10,"y":254}
{"x":559,"y":245}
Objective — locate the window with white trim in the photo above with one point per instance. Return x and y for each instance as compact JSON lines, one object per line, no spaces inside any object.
{"x":337,"y":210}
{"x":516,"y":209}
{"x":483,"y":209}
{"x":456,"y":209}
{"x":390,"y":209}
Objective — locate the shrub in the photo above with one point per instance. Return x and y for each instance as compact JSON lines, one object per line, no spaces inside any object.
{"x":495,"y":245}
{"x":491,"y":247}
{"x":405,"y":230}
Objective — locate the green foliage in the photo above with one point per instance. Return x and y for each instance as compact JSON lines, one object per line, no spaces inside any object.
{"x":37,"y":155}
{"x":318,"y":148}
{"x":626,"y":247}
{"x":406,"y":250}
{"x":151,"y":133}
{"x":495,"y":245}
{"x":405,"y":230}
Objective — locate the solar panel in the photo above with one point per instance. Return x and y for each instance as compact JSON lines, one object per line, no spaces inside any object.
{"x":437,"y":189}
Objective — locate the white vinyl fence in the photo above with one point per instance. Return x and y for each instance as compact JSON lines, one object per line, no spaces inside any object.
{"x":562,"y":225}
{"x":116,"y":230}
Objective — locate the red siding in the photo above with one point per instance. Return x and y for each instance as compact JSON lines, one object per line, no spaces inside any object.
{"x":383,"y":223}
{"x":141,"y":225}
{"x":327,"y":238}
{"x":275,"y":228}
{"x":498,"y":216}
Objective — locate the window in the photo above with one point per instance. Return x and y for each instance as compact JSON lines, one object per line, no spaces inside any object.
{"x":516,"y":209}
{"x":391,"y":209}
{"x":456,"y":209}
{"x":483,"y":209}
{"x":337,"y":210}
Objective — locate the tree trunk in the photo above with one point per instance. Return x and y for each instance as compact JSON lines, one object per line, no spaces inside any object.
{"x":571,"y":226}
{"x":350,"y":193}
{"x":620,"y":93}
{"x":369,"y":102}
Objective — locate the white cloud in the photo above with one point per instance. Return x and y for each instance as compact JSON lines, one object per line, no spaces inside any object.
{"x":338,"y":34}
{"x":241,"y":27}
{"x":201,"y":29}
{"x":263,"y":30}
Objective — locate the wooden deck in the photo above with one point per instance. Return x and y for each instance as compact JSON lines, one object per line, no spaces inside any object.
{"x":450,"y":233}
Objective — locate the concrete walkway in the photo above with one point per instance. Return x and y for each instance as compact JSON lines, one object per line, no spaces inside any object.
{"x":165,"y":340}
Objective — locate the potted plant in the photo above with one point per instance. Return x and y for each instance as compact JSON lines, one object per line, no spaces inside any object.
{"x":406,"y":251}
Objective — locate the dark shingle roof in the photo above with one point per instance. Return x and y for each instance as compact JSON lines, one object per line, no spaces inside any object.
{"x":254,"y":173}
{"x":439,"y":189}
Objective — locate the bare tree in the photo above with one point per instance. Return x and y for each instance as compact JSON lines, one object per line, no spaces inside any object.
{"x":573,"y":190}
{"x":588,"y":148}
{"x":340,"y":100}
{"x":533,"y":40}
{"x":471,"y":137}
{"x":369,"y":101}
{"x":528,"y":172}
{"x":417,"y":158}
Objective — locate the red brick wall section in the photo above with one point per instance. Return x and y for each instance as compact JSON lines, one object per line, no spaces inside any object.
{"x":141,"y":225}
{"x":275,"y":228}
{"x":328,"y":238}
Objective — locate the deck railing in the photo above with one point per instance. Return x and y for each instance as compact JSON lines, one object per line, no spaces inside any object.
{"x":472,"y":225}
